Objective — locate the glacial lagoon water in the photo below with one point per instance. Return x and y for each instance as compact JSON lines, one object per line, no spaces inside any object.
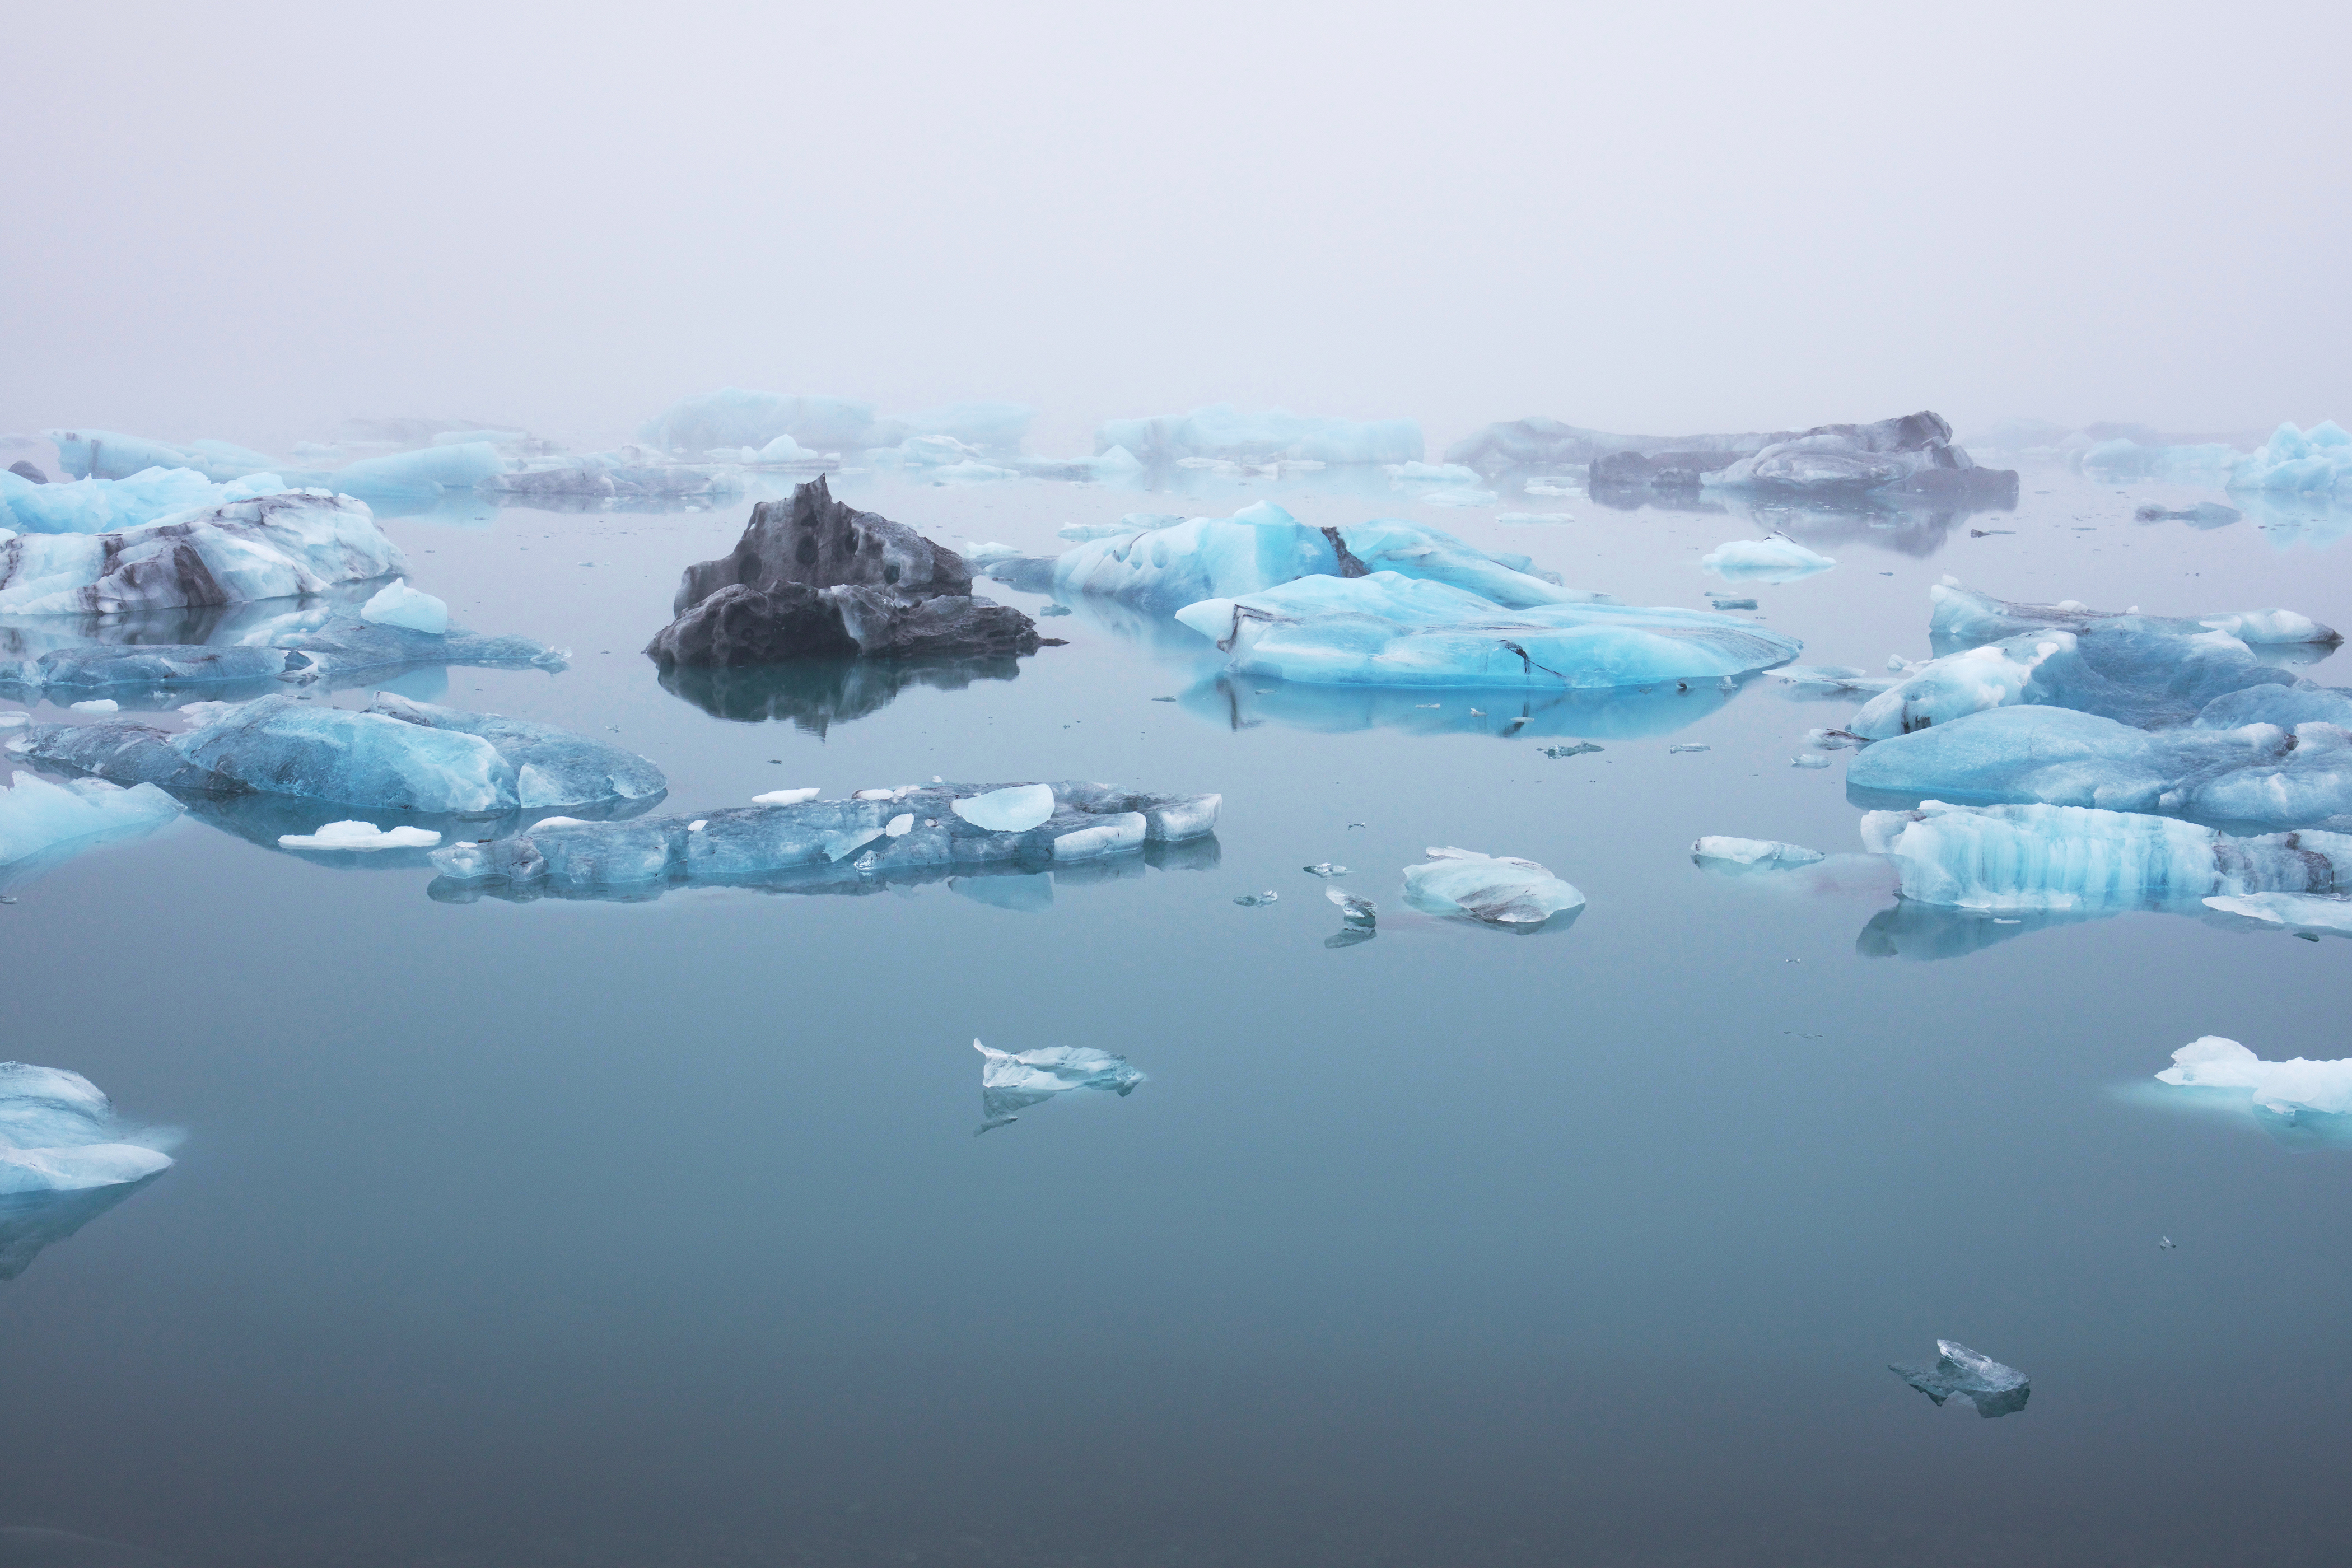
{"x":561,"y":1233}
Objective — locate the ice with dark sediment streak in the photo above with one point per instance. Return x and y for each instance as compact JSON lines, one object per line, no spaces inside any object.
{"x":1012,"y":1081}
{"x":1390,"y":630}
{"x":1765,"y":561}
{"x":42,"y":824}
{"x":276,"y":546}
{"x":2011,"y":857}
{"x":910,"y":833}
{"x":396,"y":755}
{"x":1494,"y":889}
{"x":1167,"y":566}
{"x":1971,"y":1375}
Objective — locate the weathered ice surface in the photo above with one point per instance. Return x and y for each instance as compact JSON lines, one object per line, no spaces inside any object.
{"x":102,"y":506}
{"x":2215,"y":1062}
{"x":1914,"y":453}
{"x":625,"y":474}
{"x":42,"y":823}
{"x":1223,"y":431}
{"x":397,"y":755}
{"x":274,"y":546}
{"x":1539,"y":443}
{"x":1167,"y":566}
{"x":334,"y":645}
{"x":916,"y":833}
{"x":1390,"y":630}
{"x":2261,"y":775}
{"x":815,"y":578}
{"x":1764,"y":561}
{"x":1959,"y":1372}
{"x":1667,"y":472}
{"x":1012,"y":1081}
{"x":2011,"y":857}
{"x":2152,"y":671}
{"x":1496,"y":890}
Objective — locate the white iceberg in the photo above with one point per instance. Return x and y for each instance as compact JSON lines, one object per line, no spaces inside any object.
{"x":276,"y":546}
{"x":2299,"y":912}
{"x":1718,"y":852}
{"x":105,"y":506}
{"x":1764,"y":561}
{"x":1982,"y":1381}
{"x":2212,"y":1061}
{"x":1499,"y":890}
{"x":1223,"y":431}
{"x":1017,"y":809}
{"x":402,"y":606}
{"x":365,"y":836}
{"x":1387,"y":629}
{"x":59,"y":1134}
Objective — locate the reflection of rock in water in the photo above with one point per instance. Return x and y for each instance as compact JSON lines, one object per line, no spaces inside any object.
{"x":31,"y":1221}
{"x":23,"y":1547}
{"x":815,"y":695}
{"x":1238,"y":702}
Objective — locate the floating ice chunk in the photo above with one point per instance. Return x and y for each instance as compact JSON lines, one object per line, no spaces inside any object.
{"x":1971,"y":1375}
{"x":97,"y":705}
{"x":1133,"y":522}
{"x":2123,"y":458}
{"x":628,"y":473}
{"x":785,"y":796}
{"x":983,"y":556}
{"x":1223,"y":431}
{"x":1829,"y":680}
{"x":58,"y":1134}
{"x":1499,"y":890}
{"x":1765,"y":561}
{"x":1012,"y":1081}
{"x":1717,"y":853}
{"x":14,"y":721}
{"x":1354,"y":910}
{"x":301,"y":646}
{"x":1913,"y":453}
{"x":43,"y":823}
{"x":2215,"y":1062}
{"x":2295,"y":912}
{"x":360,"y":835}
{"x":2204,"y":514}
{"x":1808,"y":760}
{"x":2011,"y":857}
{"x":1689,"y":746}
{"x":102,"y":506}
{"x":1968,"y":616}
{"x":1325,"y":870}
{"x":1422,"y":473}
{"x":1578,"y":750}
{"x":2259,"y":774}
{"x":2317,"y":460}
{"x":1390,"y":630}
{"x":110,"y":454}
{"x":1458,"y":497}
{"x":276,"y":546}
{"x":1255,"y":900}
{"x":402,"y":606}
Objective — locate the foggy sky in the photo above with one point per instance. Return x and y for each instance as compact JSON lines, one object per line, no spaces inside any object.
{"x":250,"y":221}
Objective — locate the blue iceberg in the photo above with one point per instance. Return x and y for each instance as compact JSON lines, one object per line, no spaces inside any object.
{"x":1221,"y":431}
{"x":2316,"y":460}
{"x":42,"y":824}
{"x":110,"y":454}
{"x":275,"y":546}
{"x":105,"y":506}
{"x":1970,"y":1376}
{"x":1387,"y":629}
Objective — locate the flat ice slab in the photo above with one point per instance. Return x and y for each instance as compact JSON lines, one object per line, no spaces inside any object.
{"x":2213,"y":1061}
{"x":1971,"y":1375}
{"x":1499,"y":891}
{"x":1387,"y":629}
{"x":1012,"y":1081}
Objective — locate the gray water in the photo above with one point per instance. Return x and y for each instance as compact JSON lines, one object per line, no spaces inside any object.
{"x":656,"y":1233}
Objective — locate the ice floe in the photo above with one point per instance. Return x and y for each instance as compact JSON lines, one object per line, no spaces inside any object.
{"x":1970,"y":1376}
{"x":276,"y":546}
{"x":1012,"y":1081}
{"x":1223,"y":431}
{"x":1765,"y":561}
{"x":2212,"y":1061}
{"x":398,"y":755}
{"x":1387,"y":629}
{"x":89,"y":453}
{"x":42,"y":823}
{"x":1494,"y":889}
{"x":398,"y":604}
{"x":2298,"y":912}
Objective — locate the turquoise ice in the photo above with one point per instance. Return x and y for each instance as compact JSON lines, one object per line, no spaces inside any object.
{"x":103,"y":506}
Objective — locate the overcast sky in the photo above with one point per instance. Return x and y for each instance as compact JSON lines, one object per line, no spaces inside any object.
{"x":250,"y":221}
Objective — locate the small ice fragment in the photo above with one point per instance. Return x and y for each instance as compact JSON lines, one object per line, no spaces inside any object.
{"x":1324,"y":868}
{"x":1765,"y":559}
{"x":560,"y":822}
{"x":1992,"y":1388}
{"x":899,"y":826}
{"x":98,"y":705}
{"x":1833,"y":740}
{"x":2164,"y":1244}
{"x":1253,"y":901}
{"x":1751,"y":853}
{"x":402,"y":606}
{"x":1722,"y":603}
{"x":1017,"y":809}
{"x":1499,"y":889}
{"x":361,"y":836}
{"x":697,"y":825}
{"x":936,"y":779}
{"x":1699,"y":746}
{"x":874,"y":795}
{"x":1163,"y":699}
{"x":1424,"y":704}
{"x":1576,"y":750}
{"x":1360,"y":825}
{"x":1519,"y":517}
{"x":785,"y":796}
{"x":867,"y":861}
{"x":1353,"y":910}
{"x":1013,"y":1082}
{"x":1808,"y":760}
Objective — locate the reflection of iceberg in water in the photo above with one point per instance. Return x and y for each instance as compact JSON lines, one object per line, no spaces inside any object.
{"x":1011,"y":1081}
{"x":31,"y":1221}
{"x":1617,"y":713}
{"x":815,"y":695}
{"x":1927,"y":932}
{"x":1914,"y":527}
{"x":263,"y":819}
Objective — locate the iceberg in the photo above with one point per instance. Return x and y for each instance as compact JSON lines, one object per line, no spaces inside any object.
{"x":2262,"y":775}
{"x":1764,"y":561}
{"x":1541,"y":443}
{"x":105,"y":506}
{"x":831,"y":845}
{"x":1012,"y":1081}
{"x":733,"y":417}
{"x":1223,"y":431}
{"x":2316,"y":460}
{"x":1238,"y":701}
{"x":2298,"y":912}
{"x":1387,"y":629}
{"x":58,"y":1134}
{"x":1971,"y":1375}
{"x":2011,"y":857}
{"x":275,"y":546}
{"x":360,"y":835}
{"x":2212,"y":1061}
{"x":1913,"y":454}
{"x":626,"y":474}
{"x":402,"y":606}
{"x":396,"y":755}
{"x":1717,"y":853}
{"x":87,"y":454}
{"x":1497,"y":890}
{"x":42,"y":823}
{"x":1967,"y":617}
{"x":2123,"y":458}
{"x":816,"y":578}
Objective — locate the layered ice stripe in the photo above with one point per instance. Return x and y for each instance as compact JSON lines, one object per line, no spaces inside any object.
{"x":1390,"y":630}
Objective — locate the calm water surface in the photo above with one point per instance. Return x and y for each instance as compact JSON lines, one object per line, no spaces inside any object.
{"x":579,"y":1233}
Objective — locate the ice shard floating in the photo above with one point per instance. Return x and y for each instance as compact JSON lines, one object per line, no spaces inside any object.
{"x":397,"y":755}
{"x":1011,"y":1081}
{"x":1764,"y":561}
{"x":2301,"y":1103}
{"x":916,"y":833}
{"x":42,"y":824}
{"x":1496,"y":890}
{"x":1387,"y":629}
{"x":2012,"y":858}
{"x":64,"y":1158}
{"x":1961,"y":1372}
{"x":275,"y":546}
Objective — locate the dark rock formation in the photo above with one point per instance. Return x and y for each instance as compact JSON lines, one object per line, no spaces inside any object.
{"x":815,"y":578}
{"x":24,"y":469}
